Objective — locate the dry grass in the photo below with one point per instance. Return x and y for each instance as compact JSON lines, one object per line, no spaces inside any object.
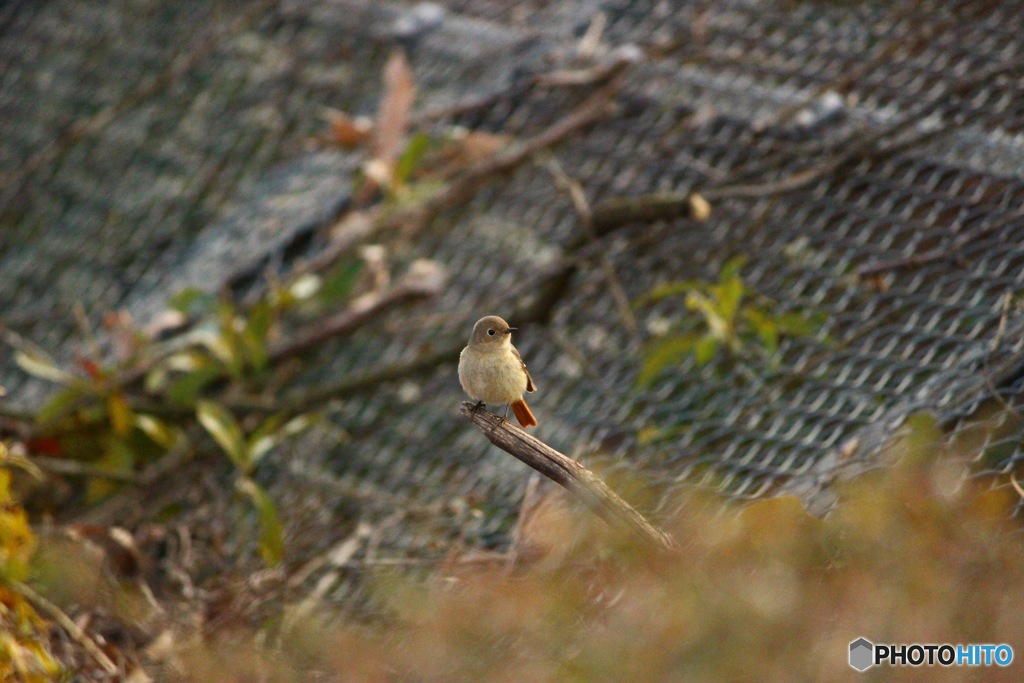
{"x":909,"y":555}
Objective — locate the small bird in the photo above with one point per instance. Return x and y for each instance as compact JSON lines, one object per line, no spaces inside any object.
{"x":492,"y":371}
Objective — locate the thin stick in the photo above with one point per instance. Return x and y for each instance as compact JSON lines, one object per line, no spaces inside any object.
{"x":466,"y":185}
{"x":73,"y":468}
{"x":578,"y":196}
{"x":105,"y":116}
{"x":568,"y":473}
{"x":360,"y":312}
{"x":69,"y":625}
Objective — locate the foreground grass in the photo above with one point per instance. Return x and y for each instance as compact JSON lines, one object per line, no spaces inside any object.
{"x":910,"y":555}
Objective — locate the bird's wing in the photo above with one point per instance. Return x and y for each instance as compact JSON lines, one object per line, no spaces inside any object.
{"x":530,"y":388}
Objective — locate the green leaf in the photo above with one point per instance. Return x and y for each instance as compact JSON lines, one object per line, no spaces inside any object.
{"x":231,"y":350}
{"x":156,"y":380}
{"x":411,"y":157}
{"x":340,"y":281}
{"x":732,"y":268}
{"x":271,"y":531}
{"x":187,"y":389}
{"x":764,"y":327}
{"x":668,"y":289}
{"x":272,"y":433}
{"x":225,"y":430}
{"x":8,"y":459}
{"x":39,"y":364}
{"x":254,"y":336}
{"x":718,"y":327}
{"x":664,"y":354}
{"x":120,"y":413}
{"x":192,"y":301}
{"x":118,"y":456}
{"x":730,"y":293}
{"x":704,"y":350}
{"x":157,"y":430}
{"x":797,"y":324}
{"x":261,"y":317}
{"x":59,"y":405}
{"x":221,"y":345}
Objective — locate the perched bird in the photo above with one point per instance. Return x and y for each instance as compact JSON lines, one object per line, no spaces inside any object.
{"x":492,"y":371}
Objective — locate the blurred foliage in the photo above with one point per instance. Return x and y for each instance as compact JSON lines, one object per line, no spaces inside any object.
{"x":762,"y":592}
{"x":245,"y":451}
{"x":734,"y":321}
{"x":24,"y":639}
{"x":95,"y":419}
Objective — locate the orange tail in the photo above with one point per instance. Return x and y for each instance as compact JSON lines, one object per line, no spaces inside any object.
{"x":523,"y":413}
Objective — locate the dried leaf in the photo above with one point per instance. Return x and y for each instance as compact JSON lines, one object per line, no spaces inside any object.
{"x":395,"y":107}
{"x":700,"y":208}
{"x":879,"y":282}
{"x":163,"y":322}
{"x":126,"y":338}
{"x":91,"y":368}
{"x":466,"y":148}
{"x":480,"y":145}
{"x":348,"y":132}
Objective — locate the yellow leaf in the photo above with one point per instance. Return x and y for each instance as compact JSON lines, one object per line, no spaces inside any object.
{"x":224,"y":429}
{"x":38,"y":364}
{"x":121,"y":416}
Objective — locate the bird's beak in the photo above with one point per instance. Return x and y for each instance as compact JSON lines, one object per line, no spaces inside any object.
{"x":511,"y":330}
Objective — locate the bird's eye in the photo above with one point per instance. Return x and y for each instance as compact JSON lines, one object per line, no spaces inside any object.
{"x":490,"y":332}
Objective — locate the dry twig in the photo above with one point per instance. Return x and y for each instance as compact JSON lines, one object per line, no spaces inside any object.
{"x":424,"y":279}
{"x":68,"y":624}
{"x":568,"y":473}
{"x":579,"y":201}
{"x":73,"y":468}
{"x":463,"y":187}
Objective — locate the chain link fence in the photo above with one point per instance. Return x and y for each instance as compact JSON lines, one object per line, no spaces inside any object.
{"x":867,"y":159}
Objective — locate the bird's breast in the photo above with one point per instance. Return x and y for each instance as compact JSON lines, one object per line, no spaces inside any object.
{"x":492,"y":376}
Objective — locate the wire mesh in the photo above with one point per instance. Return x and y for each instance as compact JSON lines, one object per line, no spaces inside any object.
{"x":907,"y":118}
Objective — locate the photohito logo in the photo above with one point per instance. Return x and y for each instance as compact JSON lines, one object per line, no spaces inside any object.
{"x":864,"y":654}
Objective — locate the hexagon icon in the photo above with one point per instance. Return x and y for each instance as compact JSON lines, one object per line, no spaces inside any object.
{"x":862,"y":654}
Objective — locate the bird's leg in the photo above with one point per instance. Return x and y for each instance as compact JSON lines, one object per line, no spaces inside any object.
{"x":477,"y":406}
{"x":504,"y":418}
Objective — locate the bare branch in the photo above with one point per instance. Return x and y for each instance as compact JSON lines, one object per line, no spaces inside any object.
{"x":568,"y":473}
{"x":466,"y":185}
{"x":68,"y":624}
{"x":578,"y":196}
{"x":73,"y":468}
{"x":424,"y":279}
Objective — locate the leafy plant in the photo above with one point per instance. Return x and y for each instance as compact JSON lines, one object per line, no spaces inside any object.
{"x":24,"y":648}
{"x":245,"y":451}
{"x":734,"y":321}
